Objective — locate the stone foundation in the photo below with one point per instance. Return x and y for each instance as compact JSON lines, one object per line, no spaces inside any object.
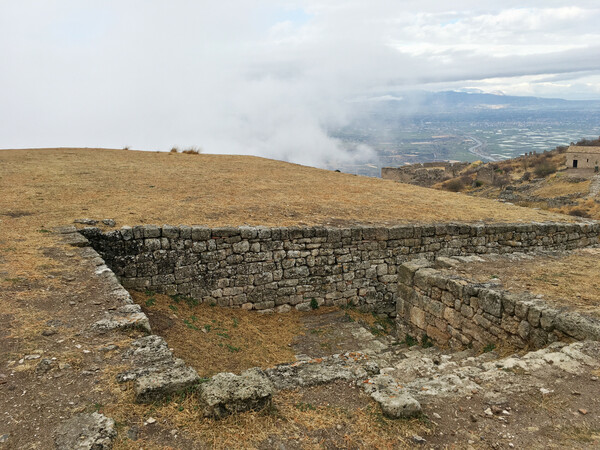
{"x":451,"y":310}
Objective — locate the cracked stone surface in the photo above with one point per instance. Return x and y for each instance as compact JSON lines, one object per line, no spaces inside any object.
{"x":349,"y":366}
{"x":86,"y":431}
{"x":156,"y":372}
{"x":395,"y":402}
{"x":227,"y":393}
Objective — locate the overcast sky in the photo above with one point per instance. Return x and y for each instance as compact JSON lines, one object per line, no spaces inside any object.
{"x":265,"y":77}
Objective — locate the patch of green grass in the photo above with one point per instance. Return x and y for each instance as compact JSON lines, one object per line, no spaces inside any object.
{"x":43,"y":230}
{"x":316,"y":331}
{"x":348,"y":317}
{"x":426,"y":341}
{"x":224,"y":335}
{"x":150,"y":301}
{"x":207,"y":328}
{"x":305,"y":406}
{"x":190,"y":325}
{"x":97,"y":407}
{"x":489,"y":348}
{"x":173,"y":308}
{"x":232,"y":349}
{"x":410,"y":341}
{"x":187,"y":299}
{"x":235,"y":322}
{"x":314,"y":304}
{"x":383,"y":325}
{"x":14,"y":280}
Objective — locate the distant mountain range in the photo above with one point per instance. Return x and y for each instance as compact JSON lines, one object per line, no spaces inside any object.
{"x":423,"y":102}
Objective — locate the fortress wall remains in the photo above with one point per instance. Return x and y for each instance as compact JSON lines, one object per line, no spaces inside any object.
{"x":452,"y":311}
{"x":291,"y":267}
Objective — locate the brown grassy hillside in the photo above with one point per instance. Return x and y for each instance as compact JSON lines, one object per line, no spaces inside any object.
{"x":49,"y":187}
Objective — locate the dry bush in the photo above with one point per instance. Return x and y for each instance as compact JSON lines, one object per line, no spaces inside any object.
{"x":526,"y":176}
{"x":543,"y":169}
{"x":454,"y":185}
{"x":192,"y":151}
{"x":501,"y":181}
{"x":174,"y":150}
{"x":577,"y":212}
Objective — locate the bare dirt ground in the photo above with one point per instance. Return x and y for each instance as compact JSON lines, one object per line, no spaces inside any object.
{"x":49,"y":297}
{"x":563,"y":279}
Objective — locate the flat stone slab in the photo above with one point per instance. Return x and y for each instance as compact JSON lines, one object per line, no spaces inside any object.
{"x":395,"y":402}
{"x":86,"y":431}
{"x":349,"y":366}
{"x":125,"y":317}
{"x":154,"y":370}
{"x":75,"y":239}
{"x":227,"y":393}
{"x":163,"y":383}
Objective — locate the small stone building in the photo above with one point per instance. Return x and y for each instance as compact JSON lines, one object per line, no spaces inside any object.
{"x":583,"y":157}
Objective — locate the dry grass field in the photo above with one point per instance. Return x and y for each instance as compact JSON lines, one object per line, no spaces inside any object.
{"x":43,"y":188}
{"x":563,"y":280}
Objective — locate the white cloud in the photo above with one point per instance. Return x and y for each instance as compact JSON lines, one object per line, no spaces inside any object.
{"x":268,"y":77}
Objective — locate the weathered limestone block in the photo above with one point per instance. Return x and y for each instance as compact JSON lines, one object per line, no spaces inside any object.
{"x":227,"y":393}
{"x":86,"y":432}
{"x":491,"y":302}
{"x":395,"y":402}
{"x":417,"y":318}
{"x":160,"y":384}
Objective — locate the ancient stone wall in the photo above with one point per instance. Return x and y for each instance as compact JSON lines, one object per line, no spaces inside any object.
{"x":451,"y":310}
{"x":267,"y":268}
{"x":425,"y":174}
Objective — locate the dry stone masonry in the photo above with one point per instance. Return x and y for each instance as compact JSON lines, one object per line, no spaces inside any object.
{"x":278,"y":268}
{"x":452,"y":310}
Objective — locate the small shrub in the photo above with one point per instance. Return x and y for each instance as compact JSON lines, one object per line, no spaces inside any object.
{"x":174,"y":150}
{"x":191,"y":151}
{"x":455,"y":185}
{"x":544,"y":169}
{"x":501,"y":181}
{"x":478,"y":183}
{"x":489,"y":348}
{"x":314,"y":304}
{"x":126,"y":147}
{"x":305,"y":407}
{"x":579,"y":213}
{"x":410,"y":341}
{"x":426,"y":341}
{"x":526,"y":176}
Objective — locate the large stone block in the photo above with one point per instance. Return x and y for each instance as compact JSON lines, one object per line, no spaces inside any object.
{"x":227,"y":393}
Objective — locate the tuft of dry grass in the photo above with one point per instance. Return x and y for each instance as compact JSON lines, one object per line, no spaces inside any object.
{"x":310,"y":427}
